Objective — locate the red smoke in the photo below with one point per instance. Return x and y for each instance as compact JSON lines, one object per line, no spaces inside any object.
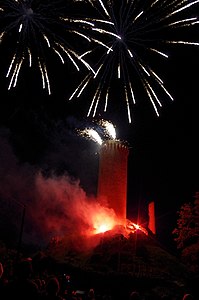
{"x":55,"y":205}
{"x":62,"y":207}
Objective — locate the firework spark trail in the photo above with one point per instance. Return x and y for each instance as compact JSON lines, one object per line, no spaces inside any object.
{"x":110,"y":131}
{"x":92,"y":134}
{"x":38,"y":27}
{"x":98,"y":131}
{"x":138,"y":33}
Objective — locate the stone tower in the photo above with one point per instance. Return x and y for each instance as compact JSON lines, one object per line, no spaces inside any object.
{"x":112,"y":178}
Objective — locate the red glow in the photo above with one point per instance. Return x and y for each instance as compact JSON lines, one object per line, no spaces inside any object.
{"x":103,"y":221}
{"x":132,"y":227}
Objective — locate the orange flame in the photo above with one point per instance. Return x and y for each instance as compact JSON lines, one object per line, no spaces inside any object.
{"x":103,"y":223}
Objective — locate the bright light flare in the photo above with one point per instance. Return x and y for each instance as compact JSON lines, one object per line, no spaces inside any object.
{"x":102,"y":228}
{"x":103,"y":222}
{"x":133,"y":227}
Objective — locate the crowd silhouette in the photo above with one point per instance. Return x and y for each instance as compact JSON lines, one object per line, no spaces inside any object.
{"x":24,"y":283}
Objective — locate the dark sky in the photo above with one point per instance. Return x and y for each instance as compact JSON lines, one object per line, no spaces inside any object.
{"x":163,"y":160}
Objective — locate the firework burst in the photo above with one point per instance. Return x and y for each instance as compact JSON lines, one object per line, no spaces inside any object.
{"x":138,"y":35}
{"x":37,"y":27}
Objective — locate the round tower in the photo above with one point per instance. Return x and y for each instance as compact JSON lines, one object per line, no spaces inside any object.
{"x":112,"y":179}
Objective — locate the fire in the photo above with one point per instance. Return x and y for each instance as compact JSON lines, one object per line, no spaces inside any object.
{"x":103,"y":222}
{"x":102,"y":228}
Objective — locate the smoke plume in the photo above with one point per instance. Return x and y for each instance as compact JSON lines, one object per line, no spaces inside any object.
{"x":55,"y":205}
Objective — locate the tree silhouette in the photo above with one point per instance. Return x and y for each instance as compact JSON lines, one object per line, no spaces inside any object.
{"x":186,"y":234}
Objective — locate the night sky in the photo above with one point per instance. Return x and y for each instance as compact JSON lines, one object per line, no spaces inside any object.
{"x":39,"y":133}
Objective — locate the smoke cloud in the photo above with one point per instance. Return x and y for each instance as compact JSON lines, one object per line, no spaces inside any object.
{"x":55,"y":205}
